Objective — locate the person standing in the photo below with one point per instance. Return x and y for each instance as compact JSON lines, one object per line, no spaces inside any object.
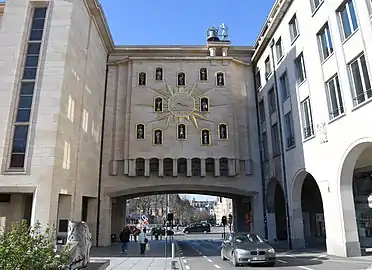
{"x":142,"y":240}
{"x":124,"y":239}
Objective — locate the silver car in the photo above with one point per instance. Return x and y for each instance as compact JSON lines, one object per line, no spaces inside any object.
{"x":247,"y":248}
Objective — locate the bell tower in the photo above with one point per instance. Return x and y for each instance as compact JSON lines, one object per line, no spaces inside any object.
{"x":217,"y":40}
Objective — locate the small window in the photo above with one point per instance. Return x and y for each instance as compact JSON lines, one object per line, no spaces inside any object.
{"x":182,"y":167}
{"x":315,"y":4}
{"x":209,"y":166}
{"x":203,"y":74}
{"x":140,"y":167}
{"x":348,"y":19}
{"x":158,"y":74}
{"x":196,"y":167}
{"x":293,"y":28}
{"x":360,"y":79}
{"x":300,"y":69}
{"x":265,"y":147}
{"x":204,"y":104}
{"x":142,"y":78}
{"x":222,"y":132}
{"x":267,"y":67}
{"x":279,"y":49}
{"x":325,"y":42}
{"x":158,"y":137}
{"x":168,"y":167}
{"x":181,"y":132}
{"x":140,"y":131}
{"x":284,"y":86}
{"x":307,"y":119}
{"x":258,"y":79}
{"x":181,"y":79}
{"x":289,"y":131}
{"x":224,"y":167}
{"x":205,"y":137}
{"x":335,"y":102}
{"x":220,"y":77}
{"x":275,"y":139}
{"x":158,"y":104}
{"x":154,"y":166}
{"x":261,"y":110}
{"x":272,"y":101}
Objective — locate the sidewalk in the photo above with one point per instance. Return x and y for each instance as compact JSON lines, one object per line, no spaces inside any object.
{"x":154,"y":259}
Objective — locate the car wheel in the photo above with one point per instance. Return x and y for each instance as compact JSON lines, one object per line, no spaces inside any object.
{"x":222,"y":256}
{"x":234,"y":261}
{"x":271,"y":264}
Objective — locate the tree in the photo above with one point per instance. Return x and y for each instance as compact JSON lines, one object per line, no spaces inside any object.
{"x":25,"y":248}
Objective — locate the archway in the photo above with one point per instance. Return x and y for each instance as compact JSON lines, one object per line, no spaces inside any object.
{"x":355,"y":189}
{"x":276,"y":211}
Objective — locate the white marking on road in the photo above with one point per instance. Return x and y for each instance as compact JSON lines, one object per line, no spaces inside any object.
{"x":282,"y":261}
{"x":209,"y":260}
{"x":205,"y":257}
{"x":187,"y":267}
{"x":184,"y":261}
{"x":217,"y":266}
{"x":306,"y":268}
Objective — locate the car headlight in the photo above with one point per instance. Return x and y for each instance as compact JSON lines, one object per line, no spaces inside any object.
{"x":238,"y":251}
{"x":271,"y":250}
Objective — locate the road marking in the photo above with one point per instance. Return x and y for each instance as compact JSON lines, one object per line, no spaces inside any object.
{"x":306,"y":268}
{"x":209,"y":260}
{"x":282,"y":261}
{"x":184,"y":261}
{"x":205,"y":257}
{"x":217,"y":266}
{"x":187,"y":267}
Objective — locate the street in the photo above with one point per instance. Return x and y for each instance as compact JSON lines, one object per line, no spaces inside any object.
{"x":205,"y":255}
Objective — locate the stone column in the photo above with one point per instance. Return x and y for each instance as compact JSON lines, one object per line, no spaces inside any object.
{"x":117,"y":216}
{"x":202,"y":167}
{"x":147,"y":167}
{"x":76,"y":206}
{"x":44,"y":205}
{"x":212,"y":51}
{"x":217,"y":167}
{"x":231,"y":166}
{"x":297,"y":226}
{"x":175,"y":167}
{"x":92,"y":218}
{"x":257,"y":214}
{"x":161,"y":167}
{"x":271,"y":227}
{"x":132,"y":167}
{"x":105,"y":221}
{"x":224,"y":51}
{"x":189,"y":169}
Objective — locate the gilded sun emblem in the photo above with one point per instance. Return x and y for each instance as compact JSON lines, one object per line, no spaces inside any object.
{"x":179,"y":104}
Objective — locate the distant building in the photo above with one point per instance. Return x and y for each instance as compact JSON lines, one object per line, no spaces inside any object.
{"x":222,"y":208}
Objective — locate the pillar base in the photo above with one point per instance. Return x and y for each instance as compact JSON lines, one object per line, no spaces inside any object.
{"x":348,"y":249}
{"x":298,"y":243}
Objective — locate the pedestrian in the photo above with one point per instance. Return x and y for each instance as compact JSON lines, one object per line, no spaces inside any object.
{"x":143,"y":240}
{"x":124,"y":239}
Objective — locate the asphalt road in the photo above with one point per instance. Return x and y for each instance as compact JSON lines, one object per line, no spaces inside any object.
{"x":199,"y":254}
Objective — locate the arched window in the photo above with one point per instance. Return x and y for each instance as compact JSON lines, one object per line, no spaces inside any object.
{"x":203,"y":74}
{"x":220,"y":79}
{"x":224,"y":167}
{"x":168,"y":167}
{"x":196,"y":167}
{"x":158,"y":74}
{"x":142,"y":78}
{"x":182,"y":166}
{"x":154,"y":166}
{"x":140,"y":167}
{"x":209,"y":166}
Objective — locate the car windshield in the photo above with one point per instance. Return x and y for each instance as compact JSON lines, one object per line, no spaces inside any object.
{"x":254,"y":238}
{"x":241,"y":239}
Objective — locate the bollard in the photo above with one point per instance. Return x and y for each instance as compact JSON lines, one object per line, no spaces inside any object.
{"x":173,"y":250}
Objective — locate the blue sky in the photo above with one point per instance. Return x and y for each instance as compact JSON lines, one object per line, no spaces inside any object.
{"x":172,"y":22}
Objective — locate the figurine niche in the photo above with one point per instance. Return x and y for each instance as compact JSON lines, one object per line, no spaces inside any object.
{"x":220,"y":79}
{"x":181,"y":79}
{"x":223,"y":132}
{"x":204,"y":105}
{"x":181,"y":132}
{"x":142,"y":78}
{"x":158,"y":105}
{"x":203,"y":74}
{"x":140,"y":132}
{"x":159,"y":74}
{"x":158,"y":137}
{"x":205,"y":137}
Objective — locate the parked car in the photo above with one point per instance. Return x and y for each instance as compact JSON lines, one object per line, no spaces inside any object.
{"x":160,"y":231}
{"x":247,"y":248}
{"x":198,"y":227}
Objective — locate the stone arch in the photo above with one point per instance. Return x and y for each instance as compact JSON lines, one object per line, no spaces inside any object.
{"x":308,"y":226}
{"x":346,"y":175}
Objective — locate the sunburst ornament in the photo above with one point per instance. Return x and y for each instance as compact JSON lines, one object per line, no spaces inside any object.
{"x":181,"y":104}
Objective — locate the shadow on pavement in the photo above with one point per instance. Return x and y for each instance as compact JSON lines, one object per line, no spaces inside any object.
{"x":305,"y":261}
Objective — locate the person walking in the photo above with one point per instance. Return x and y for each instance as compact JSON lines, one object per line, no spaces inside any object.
{"x":142,"y":240}
{"x":124,"y":239}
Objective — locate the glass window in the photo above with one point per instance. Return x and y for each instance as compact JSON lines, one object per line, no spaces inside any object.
{"x":275,"y":139}
{"x":258,"y":79}
{"x":261,"y":109}
{"x":289,"y":131}
{"x":265,"y":148}
{"x":300,"y":69}
{"x":360,"y":80}
{"x":293,"y":28}
{"x":315,"y":4}
{"x":348,"y":18}
{"x":267,"y":67}
{"x":284,"y":86}
{"x":335,"y":102}
{"x":307,"y":119}
{"x":325,"y":42}
{"x":279,"y":49}
{"x":272,"y":101}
